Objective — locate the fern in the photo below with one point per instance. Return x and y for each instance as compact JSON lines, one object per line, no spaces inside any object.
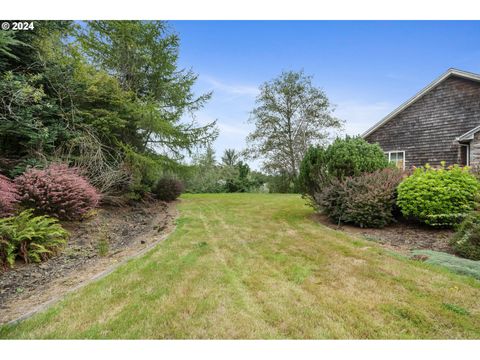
{"x":32,"y":238}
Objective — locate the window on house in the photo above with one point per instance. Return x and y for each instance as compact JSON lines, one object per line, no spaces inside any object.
{"x":397,"y":157}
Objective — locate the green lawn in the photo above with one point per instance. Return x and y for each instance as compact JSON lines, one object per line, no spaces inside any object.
{"x":256,"y":266}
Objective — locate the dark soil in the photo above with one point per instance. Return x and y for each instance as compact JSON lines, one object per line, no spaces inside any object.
{"x":95,"y":244}
{"x":401,"y":236}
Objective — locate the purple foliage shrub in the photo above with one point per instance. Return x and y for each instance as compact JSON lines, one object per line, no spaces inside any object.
{"x":58,"y":190}
{"x":366,"y":200}
{"x":8,"y":196}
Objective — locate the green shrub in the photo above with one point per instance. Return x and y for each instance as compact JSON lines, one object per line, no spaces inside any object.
{"x":366,"y":200}
{"x":466,"y":241}
{"x":32,"y":238}
{"x":168,"y":189}
{"x":438,"y":197}
{"x":353,"y":156}
{"x":313,"y":171}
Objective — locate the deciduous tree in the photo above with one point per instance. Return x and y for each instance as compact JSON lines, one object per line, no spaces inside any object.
{"x":290,"y":115}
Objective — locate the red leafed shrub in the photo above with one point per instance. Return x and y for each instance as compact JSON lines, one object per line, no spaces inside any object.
{"x":58,"y":191}
{"x":8,"y":196}
{"x":366,"y":200}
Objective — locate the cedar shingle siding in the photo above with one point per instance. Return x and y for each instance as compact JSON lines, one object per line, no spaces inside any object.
{"x":426,"y":130}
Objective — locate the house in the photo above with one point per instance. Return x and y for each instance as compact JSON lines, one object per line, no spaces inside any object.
{"x":440,"y":123}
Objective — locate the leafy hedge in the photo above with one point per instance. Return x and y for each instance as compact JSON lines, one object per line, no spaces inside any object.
{"x":438,"y":197}
{"x":8,"y":196}
{"x":366,"y":200}
{"x":58,"y":190}
{"x":32,"y":238}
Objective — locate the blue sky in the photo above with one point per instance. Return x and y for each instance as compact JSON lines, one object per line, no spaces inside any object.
{"x":367,"y":68}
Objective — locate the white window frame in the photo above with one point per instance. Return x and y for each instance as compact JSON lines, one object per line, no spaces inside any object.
{"x":468,"y":153}
{"x":396,"y":151}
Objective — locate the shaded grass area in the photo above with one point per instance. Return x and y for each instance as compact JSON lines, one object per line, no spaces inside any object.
{"x":452,"y":262}
{"x":256,"y":266}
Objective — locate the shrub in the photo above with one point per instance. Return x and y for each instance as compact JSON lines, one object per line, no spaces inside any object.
{"x":33,"y":238}
{"x":168,"y":189}
{"x":366,"y":200}
{"x":438,"y":197}
{"x":8,"y":196}
{"x":353,"y":156}
{"x":58,"y":191}
{"x":313,"y":173}
{"x":466,"y":241}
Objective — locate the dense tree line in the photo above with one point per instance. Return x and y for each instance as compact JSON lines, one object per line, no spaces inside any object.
{"x":107,"y":96}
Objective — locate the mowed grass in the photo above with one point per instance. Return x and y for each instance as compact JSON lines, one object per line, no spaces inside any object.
{"x":257,"y":266}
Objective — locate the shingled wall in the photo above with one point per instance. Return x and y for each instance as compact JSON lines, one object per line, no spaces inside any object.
{"x":426,"y":130}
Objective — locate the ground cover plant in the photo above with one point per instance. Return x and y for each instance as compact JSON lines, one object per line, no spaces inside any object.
{"x":438,"y":197}
{"x":32,"y":238}
{"x":451,"y":262}
{"x":257,"y":266}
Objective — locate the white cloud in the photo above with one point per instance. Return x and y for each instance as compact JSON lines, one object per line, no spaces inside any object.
{"x":361,"y":116}
{"x":232,"y":89}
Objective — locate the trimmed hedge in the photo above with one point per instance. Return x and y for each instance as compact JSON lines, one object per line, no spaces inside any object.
{"x":438,"y":197}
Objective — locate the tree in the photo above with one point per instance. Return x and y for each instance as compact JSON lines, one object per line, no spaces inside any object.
{"x":291,"y":114}
{"x":230,"y":157}
{"x":143,"y":56}
{"x":108,"y":96}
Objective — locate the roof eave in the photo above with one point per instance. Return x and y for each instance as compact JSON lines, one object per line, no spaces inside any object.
{"x":421,"y":93}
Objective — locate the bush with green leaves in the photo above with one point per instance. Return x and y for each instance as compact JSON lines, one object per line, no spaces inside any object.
{"x":313,"y":171}
{"x":168,"y":189}
{"x":32,"y":238}
{"x":466,"y":241}
{"x":366,"y":200}
{"x":353,"y":156}
{"x":438,"y":197}
{"x":350,"y":156}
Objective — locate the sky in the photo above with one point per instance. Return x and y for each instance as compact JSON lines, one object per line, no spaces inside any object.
{"x":366,"y":68}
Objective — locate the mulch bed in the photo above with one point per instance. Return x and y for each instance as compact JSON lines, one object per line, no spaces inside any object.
{"x":401,"y":236}
{"x":126,"y":229}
